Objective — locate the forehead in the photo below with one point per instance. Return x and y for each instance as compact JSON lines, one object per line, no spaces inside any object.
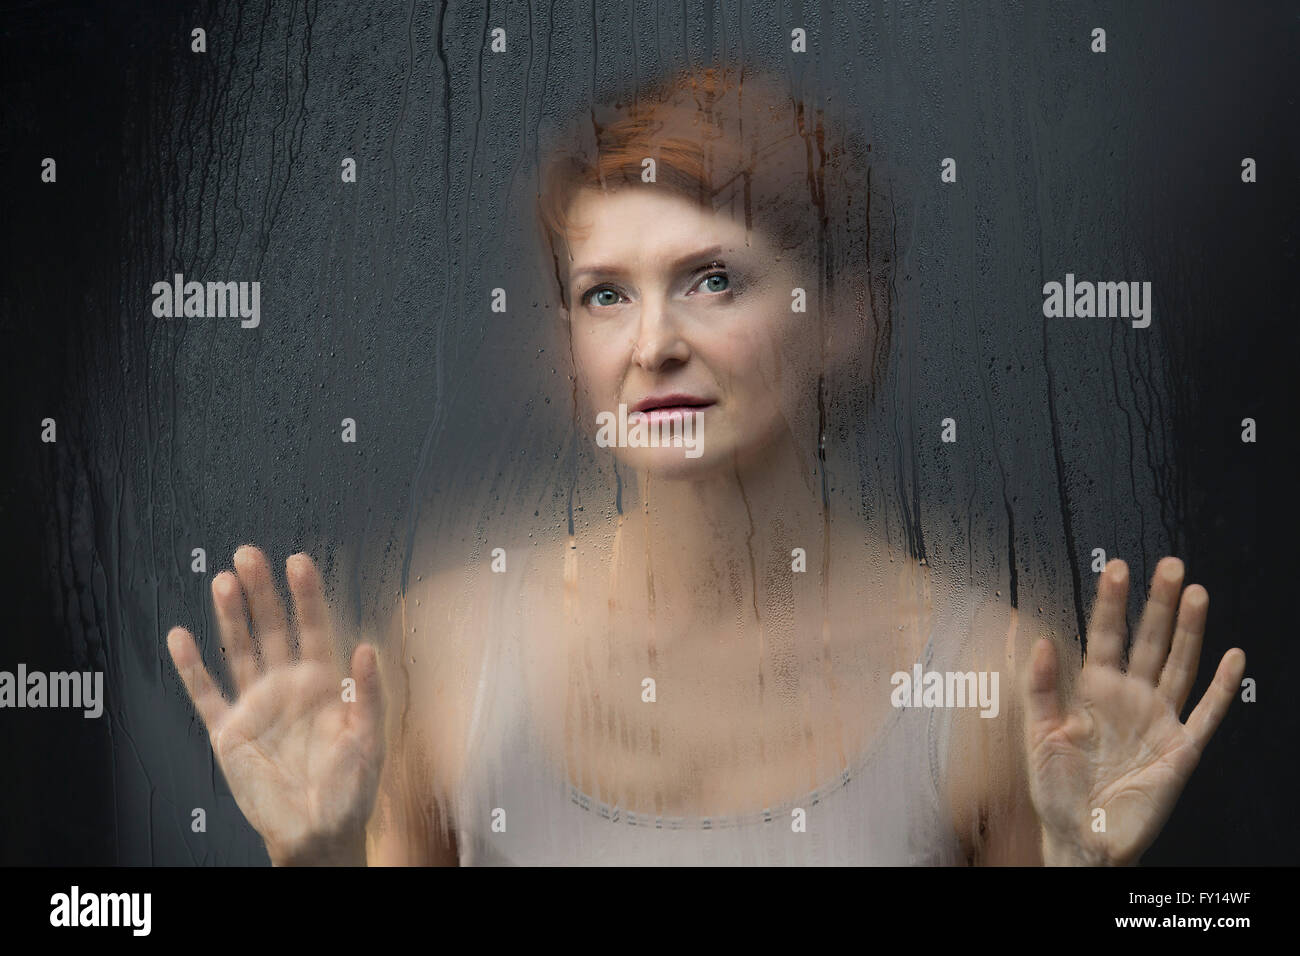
{"x":645,"y":226}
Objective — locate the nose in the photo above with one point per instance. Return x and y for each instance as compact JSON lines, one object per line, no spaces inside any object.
{"x":659,"y":341}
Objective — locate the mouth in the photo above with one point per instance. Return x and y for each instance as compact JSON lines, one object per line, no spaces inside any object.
{"x":675,"y":413}
{"x":668,"y":406}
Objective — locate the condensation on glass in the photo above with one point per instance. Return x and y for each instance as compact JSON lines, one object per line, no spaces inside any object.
{"x":599,"y":654}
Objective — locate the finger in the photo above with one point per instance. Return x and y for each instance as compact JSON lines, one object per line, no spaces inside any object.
{"x":1151,"y":646}
{"x":1209,"y":712}
{"x":1185,"y":655}
{"x":310,"y":610}
{"x":270,"y":623}
{"x":203,"y":691}
{"x":1107,"y":628}
{"x":1042,"y":706}
{"x":236,"y":643}
{"x":369,"y":714}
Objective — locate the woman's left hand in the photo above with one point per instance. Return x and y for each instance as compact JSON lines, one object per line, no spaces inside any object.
{"x":1120,"y":747}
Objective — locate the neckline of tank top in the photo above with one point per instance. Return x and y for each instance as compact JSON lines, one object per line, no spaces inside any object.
{"x":732,"y":821}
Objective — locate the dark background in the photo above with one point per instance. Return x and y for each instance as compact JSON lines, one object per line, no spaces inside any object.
{"x":225,"y":166}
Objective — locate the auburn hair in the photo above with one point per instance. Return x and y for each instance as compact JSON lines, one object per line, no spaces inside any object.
{"x":735,"y":140}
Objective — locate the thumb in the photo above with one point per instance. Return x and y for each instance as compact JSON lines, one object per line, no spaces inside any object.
{"x":1042,"y":708}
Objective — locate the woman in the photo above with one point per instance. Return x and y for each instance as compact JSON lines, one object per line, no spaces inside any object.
{"x":719,"y":668}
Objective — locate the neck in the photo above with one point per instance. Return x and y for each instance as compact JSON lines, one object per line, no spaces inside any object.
{"x":746,"y":517}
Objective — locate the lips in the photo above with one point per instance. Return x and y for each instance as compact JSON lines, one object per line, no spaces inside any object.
{"x":674,"y":402}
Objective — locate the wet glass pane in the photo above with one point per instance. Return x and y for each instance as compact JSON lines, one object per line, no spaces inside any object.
{"x":688,"y":423}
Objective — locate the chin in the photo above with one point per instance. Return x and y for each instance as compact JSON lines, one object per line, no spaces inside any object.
{"x":672,"y":464}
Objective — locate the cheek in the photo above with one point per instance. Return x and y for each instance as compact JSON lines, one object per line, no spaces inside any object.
{"x":770,"y":359}
{"x":597,"y":366}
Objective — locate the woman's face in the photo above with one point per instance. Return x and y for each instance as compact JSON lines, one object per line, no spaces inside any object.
{"x":677,"y":307}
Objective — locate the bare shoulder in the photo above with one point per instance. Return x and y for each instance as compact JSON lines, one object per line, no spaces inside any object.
{"x":435,"y":641}
{"x":432,"y":646}
{"x":986,"y":785}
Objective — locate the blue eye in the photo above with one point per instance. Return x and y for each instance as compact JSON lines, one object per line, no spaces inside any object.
{"x":717,"y":282}
{"x":604,"y":296}
{"x":594,"y":295}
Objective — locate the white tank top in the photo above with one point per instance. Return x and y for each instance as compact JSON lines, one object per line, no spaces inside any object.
{"x":887,"y":809}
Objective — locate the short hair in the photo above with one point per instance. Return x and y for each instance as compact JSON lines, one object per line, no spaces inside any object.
{"x":736,"y":140}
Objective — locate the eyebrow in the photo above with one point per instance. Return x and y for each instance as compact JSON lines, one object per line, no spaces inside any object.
{"x":710,"y":253}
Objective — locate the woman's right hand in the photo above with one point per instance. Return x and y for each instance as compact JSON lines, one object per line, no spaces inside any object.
{"x":302,"y":762}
